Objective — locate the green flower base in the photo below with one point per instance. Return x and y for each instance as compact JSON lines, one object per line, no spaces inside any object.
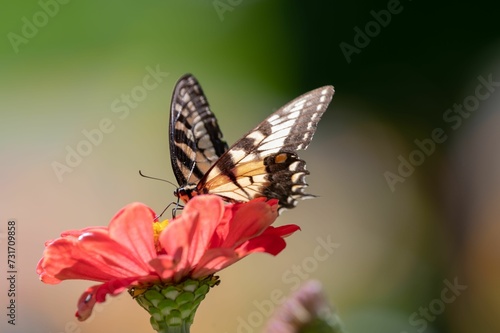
{"x":172,"y":306}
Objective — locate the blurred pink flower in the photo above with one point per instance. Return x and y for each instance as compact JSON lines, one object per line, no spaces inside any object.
{"x":306,"y":310}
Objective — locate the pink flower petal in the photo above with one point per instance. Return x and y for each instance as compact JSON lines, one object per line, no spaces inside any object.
{"x":90,"y":257}
{"x":213,"y":261}
{"x":97,"y":294}
{"x":264,"y":243}
{"x":78,"y":233}
{"x":282,"y":231}
{"x":270,"y":241}
{"x":186,"y":238}
{"x":164,"y":266}
{"x":247,"y":220}
{"x":132,"y":227}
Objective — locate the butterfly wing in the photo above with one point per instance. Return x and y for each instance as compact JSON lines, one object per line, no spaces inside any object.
{"x":196,"y":141}
{"x":264,"y":162}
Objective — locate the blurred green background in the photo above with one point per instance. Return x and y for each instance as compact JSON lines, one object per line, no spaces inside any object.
{"x":66,"y":66}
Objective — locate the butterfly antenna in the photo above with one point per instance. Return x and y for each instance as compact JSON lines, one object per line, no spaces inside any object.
{"x":154,"y":178}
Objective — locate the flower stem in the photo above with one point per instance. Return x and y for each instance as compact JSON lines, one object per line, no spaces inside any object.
{"x":183,"y":328}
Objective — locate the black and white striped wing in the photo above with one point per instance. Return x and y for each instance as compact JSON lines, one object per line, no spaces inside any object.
{"x":264,"y":162}
{"x":196,"y":141}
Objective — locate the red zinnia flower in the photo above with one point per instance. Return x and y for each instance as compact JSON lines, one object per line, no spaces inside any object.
{"x":135,"y":252}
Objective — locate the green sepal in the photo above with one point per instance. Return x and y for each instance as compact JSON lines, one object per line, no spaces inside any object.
{"x":172,"y":306}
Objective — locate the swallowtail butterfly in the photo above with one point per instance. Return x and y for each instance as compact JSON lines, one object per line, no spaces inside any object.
{"x":263,"y":163}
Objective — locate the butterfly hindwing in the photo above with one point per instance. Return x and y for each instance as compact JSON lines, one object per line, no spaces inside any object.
{"x":196,"y":141}
{"x":264,"y":161}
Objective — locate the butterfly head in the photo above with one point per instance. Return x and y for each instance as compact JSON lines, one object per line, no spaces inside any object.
{"x":185,"y":193}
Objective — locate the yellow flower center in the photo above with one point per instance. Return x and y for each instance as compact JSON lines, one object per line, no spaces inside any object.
{"x":157,"y":229}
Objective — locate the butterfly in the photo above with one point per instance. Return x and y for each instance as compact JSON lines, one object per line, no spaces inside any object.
{"x":263,"y":163}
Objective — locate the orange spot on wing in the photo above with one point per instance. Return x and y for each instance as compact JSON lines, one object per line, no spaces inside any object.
{"x":280,"y":158}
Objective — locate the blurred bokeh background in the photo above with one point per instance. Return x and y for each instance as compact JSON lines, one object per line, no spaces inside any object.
{"x":415,"y":225}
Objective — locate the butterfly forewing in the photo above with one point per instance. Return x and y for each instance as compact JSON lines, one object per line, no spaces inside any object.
{"x":196,"y":141}
{"x":263,"y":162}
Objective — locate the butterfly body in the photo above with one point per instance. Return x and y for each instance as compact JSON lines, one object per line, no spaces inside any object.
{"x":263,"y":163}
